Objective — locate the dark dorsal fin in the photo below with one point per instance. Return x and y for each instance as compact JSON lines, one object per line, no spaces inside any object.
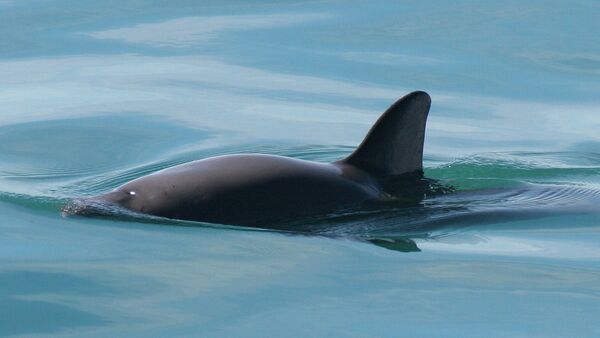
{"x":394,"y":145}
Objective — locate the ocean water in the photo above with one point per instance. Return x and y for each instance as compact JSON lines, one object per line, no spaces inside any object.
{"x":94,"y":94}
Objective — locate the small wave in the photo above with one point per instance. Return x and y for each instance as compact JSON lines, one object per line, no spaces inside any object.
{"x":512,"y":169}
{"x":49,"y":173}
{"x":490,"y":188}
{"x":38,"y":203}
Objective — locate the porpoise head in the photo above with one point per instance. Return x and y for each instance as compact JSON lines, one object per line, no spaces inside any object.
{"x":124,"y":199}
{"x":107,"y":204}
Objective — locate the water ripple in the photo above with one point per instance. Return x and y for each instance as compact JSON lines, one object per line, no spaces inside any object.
{"x":491,"y":188}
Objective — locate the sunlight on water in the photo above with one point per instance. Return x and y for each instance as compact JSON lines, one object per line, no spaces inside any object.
{"x":93,"y":95}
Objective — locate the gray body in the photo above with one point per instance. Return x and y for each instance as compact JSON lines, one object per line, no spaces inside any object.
{"x":257,"y":189}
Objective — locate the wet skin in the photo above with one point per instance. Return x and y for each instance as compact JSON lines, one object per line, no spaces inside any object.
{"x":246,"y":189}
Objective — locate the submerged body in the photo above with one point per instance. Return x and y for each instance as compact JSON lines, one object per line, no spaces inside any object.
{"x":257,"y":189}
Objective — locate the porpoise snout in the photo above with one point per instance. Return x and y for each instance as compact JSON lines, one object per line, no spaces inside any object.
{"x":107,"y":204}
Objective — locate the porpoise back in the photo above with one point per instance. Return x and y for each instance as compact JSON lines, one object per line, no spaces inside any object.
{"x":247,"y":189}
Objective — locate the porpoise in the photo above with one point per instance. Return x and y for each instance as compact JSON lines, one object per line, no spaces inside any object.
{"x":259,"y":189}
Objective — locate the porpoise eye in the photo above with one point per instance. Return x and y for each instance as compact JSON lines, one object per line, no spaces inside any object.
{"x":132,"y":193}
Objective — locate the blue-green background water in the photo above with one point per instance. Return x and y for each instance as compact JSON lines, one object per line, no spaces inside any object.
{"x":93,"y":94}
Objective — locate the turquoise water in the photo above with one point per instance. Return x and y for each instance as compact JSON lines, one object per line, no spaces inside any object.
{"x":93,"y":95}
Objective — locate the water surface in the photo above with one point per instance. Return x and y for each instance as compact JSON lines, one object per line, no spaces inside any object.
{"x":94,"y":95}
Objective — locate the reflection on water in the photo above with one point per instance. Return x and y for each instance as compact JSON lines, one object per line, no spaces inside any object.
{"x":95,"y":94}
